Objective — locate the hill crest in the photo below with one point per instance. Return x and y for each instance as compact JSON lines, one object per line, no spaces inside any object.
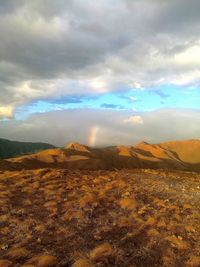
{"x":77,"y":147}
{"x":9,"y":148}
{"x":182,"y":155}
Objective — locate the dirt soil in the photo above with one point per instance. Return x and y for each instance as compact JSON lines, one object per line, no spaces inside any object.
{"x":121,"y":218}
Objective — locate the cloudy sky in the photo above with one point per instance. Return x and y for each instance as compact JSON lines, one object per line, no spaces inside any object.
{"x":99,"y":72}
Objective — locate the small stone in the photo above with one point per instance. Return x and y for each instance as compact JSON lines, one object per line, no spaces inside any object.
{"x":4,"y":247}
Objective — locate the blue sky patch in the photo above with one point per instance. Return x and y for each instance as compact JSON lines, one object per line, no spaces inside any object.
{"x":136,"y":99}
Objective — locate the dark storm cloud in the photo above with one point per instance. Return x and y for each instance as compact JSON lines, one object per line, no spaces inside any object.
{"x":179,"y":15}
{"x":9,"y":6}
{"x":90,"y":47}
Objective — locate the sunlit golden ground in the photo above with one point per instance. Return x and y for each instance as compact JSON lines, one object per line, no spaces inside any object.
{"x":101,"y":218}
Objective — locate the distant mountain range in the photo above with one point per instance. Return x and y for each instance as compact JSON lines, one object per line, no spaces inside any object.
{"x":9,"y":149}
{"x":180,"y":155}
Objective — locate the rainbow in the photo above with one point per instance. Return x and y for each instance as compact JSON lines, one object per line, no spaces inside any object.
{"x":92,"y":137}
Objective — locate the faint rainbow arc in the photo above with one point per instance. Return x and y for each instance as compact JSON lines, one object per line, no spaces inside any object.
{"x":92,"y":137}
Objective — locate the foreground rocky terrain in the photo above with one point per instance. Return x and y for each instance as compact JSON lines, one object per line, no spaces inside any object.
{"x":133,"y":218}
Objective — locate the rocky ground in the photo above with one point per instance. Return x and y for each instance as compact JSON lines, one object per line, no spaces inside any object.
{"x":120,"y":218}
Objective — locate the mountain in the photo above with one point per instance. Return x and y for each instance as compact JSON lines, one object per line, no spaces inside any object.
{"x":74,"y":156}
{"x":9,"y":149}
{"x":78,"y":147}
{"x":187,"y":151}
{"x":180,"y":155}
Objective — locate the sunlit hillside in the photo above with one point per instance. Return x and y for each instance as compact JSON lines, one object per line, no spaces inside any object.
{"x":180,"y":155}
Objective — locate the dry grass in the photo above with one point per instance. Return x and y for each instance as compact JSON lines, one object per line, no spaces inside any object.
{"x":5,"y":263}
{"x":83,"y":263}
{"x":121,"y":218}
{"x":102,"y":252}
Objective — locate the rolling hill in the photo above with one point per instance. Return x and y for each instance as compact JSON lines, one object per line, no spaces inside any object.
{"x":180,"y":155}
{"x":9,"y":149}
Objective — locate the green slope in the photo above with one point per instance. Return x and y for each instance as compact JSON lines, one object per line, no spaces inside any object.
{"x":9,"y":149}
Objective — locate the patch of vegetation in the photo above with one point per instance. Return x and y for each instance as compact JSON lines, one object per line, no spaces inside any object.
{"x":138,"y":218}
{"x":9,"y":149}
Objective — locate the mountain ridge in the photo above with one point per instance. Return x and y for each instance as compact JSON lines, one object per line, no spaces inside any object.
{"x":10,"y":148}
{"x":181,"y":155}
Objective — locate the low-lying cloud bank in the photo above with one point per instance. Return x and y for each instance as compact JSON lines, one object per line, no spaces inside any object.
{"x":104,"y":127}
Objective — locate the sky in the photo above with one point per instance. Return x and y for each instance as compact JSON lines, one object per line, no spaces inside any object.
{"x":101,"y":72}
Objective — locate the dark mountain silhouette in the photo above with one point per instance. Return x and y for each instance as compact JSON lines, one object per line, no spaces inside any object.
{"x":9,"y":149}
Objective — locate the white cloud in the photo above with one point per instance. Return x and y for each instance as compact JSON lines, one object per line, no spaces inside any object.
{"x":188,"y":78}
{"x":93,"y":47}
{"x":133,"y":98}
{"x":98,"y":85}
{"x":6,"y":111}
{"x":134,"y":120}
{"x":189,"y":57}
